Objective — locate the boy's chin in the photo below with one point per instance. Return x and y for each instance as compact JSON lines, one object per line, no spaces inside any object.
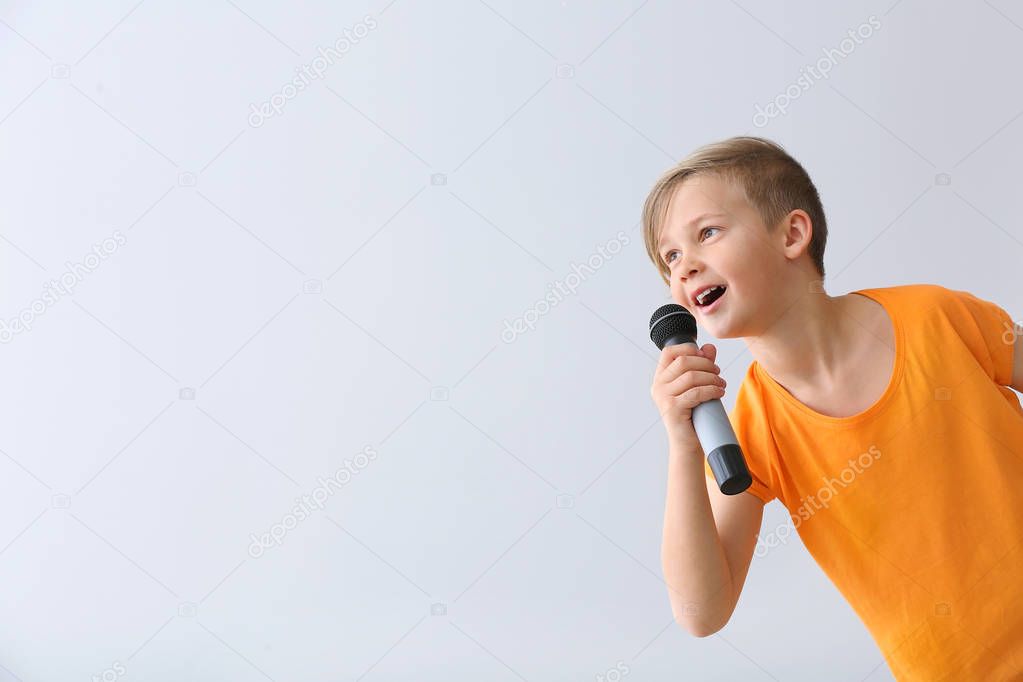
{"x":720,"y":333}
{"x":719,"y":325}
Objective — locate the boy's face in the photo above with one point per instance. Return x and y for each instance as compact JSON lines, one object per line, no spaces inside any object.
{"x":713,"y":236}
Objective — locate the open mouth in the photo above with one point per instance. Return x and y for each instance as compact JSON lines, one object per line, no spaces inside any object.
{"x":707,"y":297}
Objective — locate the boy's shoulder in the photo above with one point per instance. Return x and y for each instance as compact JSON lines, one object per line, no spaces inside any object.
{"x":750,"y":399}
{"x":926,"y":293}
{"x":924,"y":305}
{"x":957,"y":306}
{"x":920,"y":292}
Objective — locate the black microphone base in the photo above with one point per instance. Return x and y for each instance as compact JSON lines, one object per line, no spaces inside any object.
{"x":729,"y":468}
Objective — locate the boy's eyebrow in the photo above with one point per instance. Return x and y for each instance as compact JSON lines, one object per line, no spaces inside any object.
{"x":694,"y":221}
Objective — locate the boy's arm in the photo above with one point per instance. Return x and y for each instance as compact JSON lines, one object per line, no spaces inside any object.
{"x":991,"y":335}
{"x":707,"y":545}
{"x":738,"y":519}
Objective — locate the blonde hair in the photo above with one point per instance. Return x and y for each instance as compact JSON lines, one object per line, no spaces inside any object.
{"x":774,"y":184}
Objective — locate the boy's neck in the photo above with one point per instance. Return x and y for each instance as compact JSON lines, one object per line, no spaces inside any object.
{"x":810,"y":345}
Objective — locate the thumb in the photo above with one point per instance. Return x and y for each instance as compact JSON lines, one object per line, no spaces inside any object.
{"x":709,"y":351}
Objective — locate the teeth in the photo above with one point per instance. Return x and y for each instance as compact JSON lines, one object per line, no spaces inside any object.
{"x":705,"y":292}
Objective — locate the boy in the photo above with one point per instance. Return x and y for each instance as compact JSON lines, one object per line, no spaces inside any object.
{"x":881,"y":419}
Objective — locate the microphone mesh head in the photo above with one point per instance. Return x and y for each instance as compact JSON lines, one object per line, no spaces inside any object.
{"x":671,"y":320}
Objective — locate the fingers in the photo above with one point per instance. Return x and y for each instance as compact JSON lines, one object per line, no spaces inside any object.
{"x":701,"y":394}
{"x":694,"y":379}
{"x":686,"y":363}
{"x":669,"y":353}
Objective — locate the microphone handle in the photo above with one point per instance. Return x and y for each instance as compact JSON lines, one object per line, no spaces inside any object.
{"x":717,"y":438}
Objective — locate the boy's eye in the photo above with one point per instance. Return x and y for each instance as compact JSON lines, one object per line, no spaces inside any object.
{"x":668,"y":256}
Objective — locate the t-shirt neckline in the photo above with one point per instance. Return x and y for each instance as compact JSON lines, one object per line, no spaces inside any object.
{"x":879,"y":404}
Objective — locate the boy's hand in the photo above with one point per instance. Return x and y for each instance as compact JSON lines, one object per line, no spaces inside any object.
{"x":685,"y":377}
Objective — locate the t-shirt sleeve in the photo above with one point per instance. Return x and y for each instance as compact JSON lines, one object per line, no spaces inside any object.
{"x":752,"y":435}
{"x":757,"y":487}
{"x":987,"y":330}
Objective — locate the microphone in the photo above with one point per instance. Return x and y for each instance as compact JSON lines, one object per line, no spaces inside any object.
{"x":672,"y":324}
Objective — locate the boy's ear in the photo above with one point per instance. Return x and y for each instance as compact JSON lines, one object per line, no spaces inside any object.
{"x":797,"y":229}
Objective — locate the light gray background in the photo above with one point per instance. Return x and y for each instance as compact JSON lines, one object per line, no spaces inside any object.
{"x":321,"y":294}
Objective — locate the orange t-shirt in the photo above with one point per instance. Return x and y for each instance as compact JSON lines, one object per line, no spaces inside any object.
{"x":913,"y":507}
